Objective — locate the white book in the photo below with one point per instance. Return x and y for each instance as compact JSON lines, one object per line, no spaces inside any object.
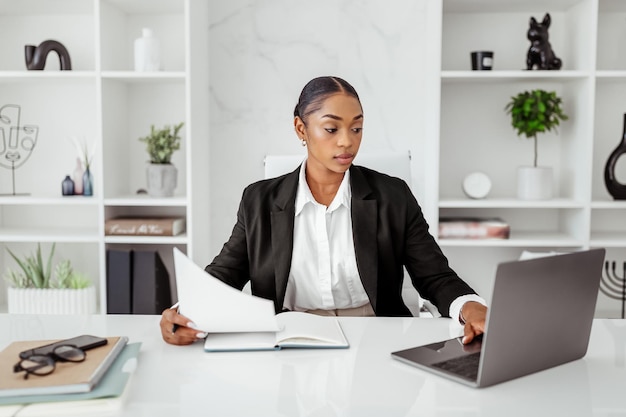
{"x":297,"y":330}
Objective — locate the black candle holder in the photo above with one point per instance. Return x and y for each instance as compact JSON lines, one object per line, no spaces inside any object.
{"x":612,"y":285}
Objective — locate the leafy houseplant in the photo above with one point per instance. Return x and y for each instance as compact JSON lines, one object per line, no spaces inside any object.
{"x":35,"y":288}
{"x":160,"y":145}
{"x":534,"y":112}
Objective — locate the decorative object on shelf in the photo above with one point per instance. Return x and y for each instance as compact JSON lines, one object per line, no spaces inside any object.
{"x":17,"y":142}
{"x":534,"y":112}
{"x":77,"y":177}
{"x":477,"y":185}
{"x":482,"y":60}
{"x":161,"y":174}
{"x":85,"y":158}
{"x":67,"y":186}
{"x":540,"y":53}
{"x":36,"y":55}
{"x":147,"y":52}
{"x":144,"y":226}
{"x":614,"y":286}
{"x":34,"y":288}
{"x":87,"y":182}
{"x":613,"y":186}
{"x":473,"y":228}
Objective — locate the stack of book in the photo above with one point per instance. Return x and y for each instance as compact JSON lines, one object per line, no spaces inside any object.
{"x":94,"y":385}
{"x":473,"y":228}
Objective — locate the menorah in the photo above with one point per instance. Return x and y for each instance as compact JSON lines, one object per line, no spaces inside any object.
{"x":16,"y":142}
{"x":612,"y":285}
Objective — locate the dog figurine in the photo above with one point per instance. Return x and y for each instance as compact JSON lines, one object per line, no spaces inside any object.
{"x":540,"y":53}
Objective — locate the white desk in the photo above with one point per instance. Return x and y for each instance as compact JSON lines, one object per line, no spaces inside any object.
{"x":361,"y":381}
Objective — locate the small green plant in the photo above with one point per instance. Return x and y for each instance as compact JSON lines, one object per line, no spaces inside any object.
{"x":161,"y":143}
{"x":66,"y":277}
{"x":534,"y":112}
{"x":35,"y":273}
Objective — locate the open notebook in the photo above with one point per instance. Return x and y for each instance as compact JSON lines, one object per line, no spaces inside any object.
{"x":297,"y":330}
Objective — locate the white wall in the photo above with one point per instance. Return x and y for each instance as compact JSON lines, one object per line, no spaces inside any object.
{"x":262,"y":52}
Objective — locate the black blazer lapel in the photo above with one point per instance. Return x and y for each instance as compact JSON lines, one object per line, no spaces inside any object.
{"x":282,"y":217}
{"x":364,"y":231}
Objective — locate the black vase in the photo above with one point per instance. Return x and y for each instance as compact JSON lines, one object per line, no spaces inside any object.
{"x":67,"y":186}
{"x":617,"y":190}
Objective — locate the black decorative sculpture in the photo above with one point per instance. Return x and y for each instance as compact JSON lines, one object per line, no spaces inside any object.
{"x":617,"y":190}
{"x":16,"y":141}
{"x":36,"y":55}
{"x":612,"y":285}
{"x":540,"y":53}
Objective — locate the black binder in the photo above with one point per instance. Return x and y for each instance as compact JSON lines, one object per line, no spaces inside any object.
{"x":151,"y":283}
{"x":119,"y":281}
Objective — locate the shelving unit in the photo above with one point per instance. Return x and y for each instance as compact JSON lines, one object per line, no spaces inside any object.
{"x":104,"y":101}
{"x":587,"y":35}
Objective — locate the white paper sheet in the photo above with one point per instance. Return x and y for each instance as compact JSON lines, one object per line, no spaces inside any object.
{"x":217,"y":307}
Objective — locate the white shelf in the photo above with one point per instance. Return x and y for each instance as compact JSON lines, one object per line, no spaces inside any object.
{"x":46,"y":76}
{"x":508,"y":6}
{"x":518,"y":240}
{"x":611,"y":75}
{"x":103,"y":100}
{"x":608,"y":205}
{"x":608,"y":239}
{"x":48,"y":201}
{"x":181,"y":239}
{"x":511,"y":203}
{"x":475,"y":132}
{"x":145,"y":200}
{"x":511,"y":76}
{"x":145,"y":77}
{"x":65,"y":234}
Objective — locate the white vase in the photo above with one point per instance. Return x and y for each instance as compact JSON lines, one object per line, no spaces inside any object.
{"x":147,"y":52}
{"x":52,"y":300}
{"x":162,"y":179}
{"x":534,"y":183}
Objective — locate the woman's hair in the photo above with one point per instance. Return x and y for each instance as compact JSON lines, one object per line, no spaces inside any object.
{"x":316,"y":90}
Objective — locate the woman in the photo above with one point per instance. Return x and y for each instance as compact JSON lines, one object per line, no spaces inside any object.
{"x":332,"y":238}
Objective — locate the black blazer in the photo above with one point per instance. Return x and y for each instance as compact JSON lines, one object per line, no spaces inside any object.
{"x":389,"y":232}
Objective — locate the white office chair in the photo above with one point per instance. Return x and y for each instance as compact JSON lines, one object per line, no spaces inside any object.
{"x":397,"y":164}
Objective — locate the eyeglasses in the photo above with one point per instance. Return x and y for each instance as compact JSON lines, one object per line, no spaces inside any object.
{"x":41,"y":365}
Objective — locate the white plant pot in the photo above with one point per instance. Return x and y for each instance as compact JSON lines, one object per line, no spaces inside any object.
{"x":534,"y":183}
{"x":162,"y":179}
{"x":52,"y":300}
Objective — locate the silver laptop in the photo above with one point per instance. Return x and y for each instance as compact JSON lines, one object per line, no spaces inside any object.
{"x":540,"y":317}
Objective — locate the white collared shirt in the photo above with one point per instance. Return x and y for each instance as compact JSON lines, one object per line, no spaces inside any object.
{"x":323,"y":272}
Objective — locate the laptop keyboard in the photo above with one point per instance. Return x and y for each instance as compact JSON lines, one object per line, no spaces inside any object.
{"x":466,"y":366}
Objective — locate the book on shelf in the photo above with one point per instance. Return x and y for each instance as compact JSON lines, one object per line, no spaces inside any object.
{"x":137,"y":282}
{"x":151,"y":292}
{"x":144,"y":226}
{"x":473,"y":228}
{"x":297,"y":330}
{"x":119,"y":281}
{"x":67,"y":377}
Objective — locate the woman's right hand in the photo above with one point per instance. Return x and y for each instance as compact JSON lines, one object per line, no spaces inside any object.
{"x":177,"y":329}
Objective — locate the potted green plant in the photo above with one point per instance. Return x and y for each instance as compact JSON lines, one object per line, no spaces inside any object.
{"x":161,"y":173}
{"x":34,"y":287}
{"x":534,"y":112}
